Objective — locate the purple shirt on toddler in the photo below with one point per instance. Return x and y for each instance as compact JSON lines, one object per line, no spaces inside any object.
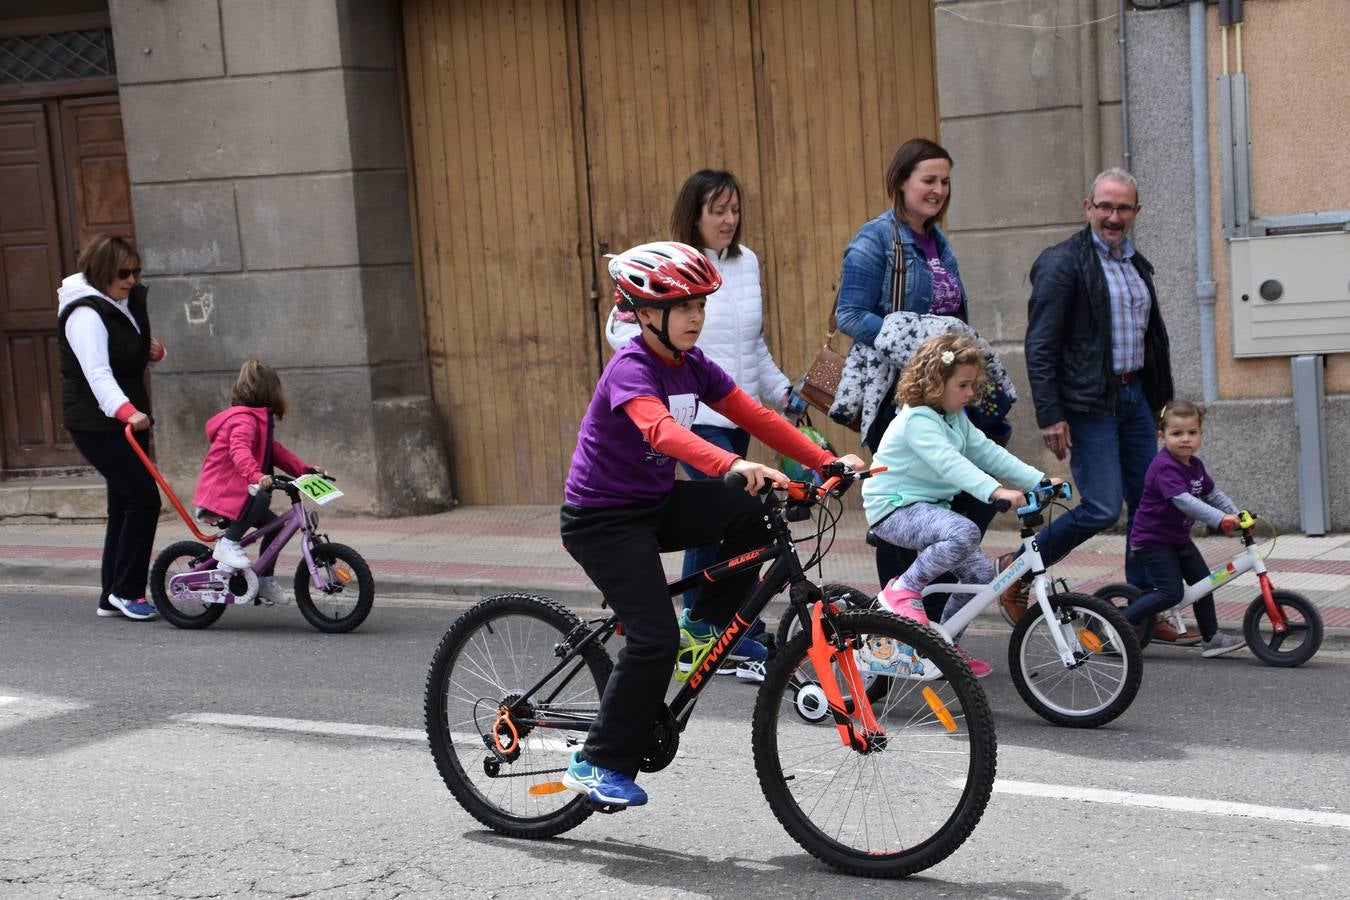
{"x":1158,"y":522}
{"x":613,"y":464}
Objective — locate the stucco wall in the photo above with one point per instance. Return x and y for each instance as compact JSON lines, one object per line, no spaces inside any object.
{"x":1295,"y":56}
{"x":1007,"y":97}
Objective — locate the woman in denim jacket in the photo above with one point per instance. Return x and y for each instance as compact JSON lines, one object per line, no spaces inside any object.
{"x":918,"y":181}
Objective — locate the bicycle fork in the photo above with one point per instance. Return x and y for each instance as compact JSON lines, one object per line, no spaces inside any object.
{"x":822,"y":653}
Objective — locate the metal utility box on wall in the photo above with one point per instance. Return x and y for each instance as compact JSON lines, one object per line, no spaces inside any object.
{"x":1291,"y":294}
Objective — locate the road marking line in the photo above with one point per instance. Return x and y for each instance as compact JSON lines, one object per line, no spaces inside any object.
{"x":305,"y":726}
{"x":1176,"y":804}
{"x":540,"y":742}
{"x":4,"y":700}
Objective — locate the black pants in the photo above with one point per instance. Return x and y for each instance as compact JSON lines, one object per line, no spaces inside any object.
{"x":620,"y":547}
{"x":133,"y":509}
{"x":256,"y":514}
{"x":1171,"y":568}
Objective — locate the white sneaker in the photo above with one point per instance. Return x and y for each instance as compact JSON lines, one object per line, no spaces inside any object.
{"x":271,"y":593}
{"x":751,"y":670}
{"x":229,"y":553}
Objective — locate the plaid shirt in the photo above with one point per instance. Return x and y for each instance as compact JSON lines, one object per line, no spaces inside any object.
{"x":1130,"y":304}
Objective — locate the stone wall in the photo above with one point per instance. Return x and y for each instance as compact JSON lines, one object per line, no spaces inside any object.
{"x":1030,"y":105}
{"x":265,"y":145}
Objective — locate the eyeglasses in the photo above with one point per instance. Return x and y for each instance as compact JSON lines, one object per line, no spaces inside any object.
{"x":1121,"y":210}
{"x":123,"y":274}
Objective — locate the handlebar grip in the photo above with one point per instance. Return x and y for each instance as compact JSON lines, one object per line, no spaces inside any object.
{"x":734,"y":480}
{"x":1002,"y":506}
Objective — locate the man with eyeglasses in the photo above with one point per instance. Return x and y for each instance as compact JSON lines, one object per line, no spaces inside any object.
{"x":1097,"y":359}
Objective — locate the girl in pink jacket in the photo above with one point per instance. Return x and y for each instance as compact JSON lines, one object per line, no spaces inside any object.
{"x":242,"y":452}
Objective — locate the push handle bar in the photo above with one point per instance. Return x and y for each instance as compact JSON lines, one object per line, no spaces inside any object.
{"x":168,"y":491}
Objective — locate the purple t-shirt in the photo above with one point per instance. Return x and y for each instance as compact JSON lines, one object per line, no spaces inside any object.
{"x":613,"y":464}
{"x":1158,"y":522}
{"x":946,"y":288}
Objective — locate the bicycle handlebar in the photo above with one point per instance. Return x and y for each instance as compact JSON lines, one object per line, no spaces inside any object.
{"x":281,"y":481}
{"x":837,"y":474}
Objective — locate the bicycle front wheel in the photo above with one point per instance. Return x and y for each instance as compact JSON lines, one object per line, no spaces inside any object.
{"x":1294,"y":646}
{"x":488,"y":660}
{"x":917,"y":792}
{"x":349,"y":590}
{"x":1103,"y":677}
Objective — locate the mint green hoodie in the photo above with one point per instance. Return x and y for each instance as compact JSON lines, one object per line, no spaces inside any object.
{"x":931,"y":457}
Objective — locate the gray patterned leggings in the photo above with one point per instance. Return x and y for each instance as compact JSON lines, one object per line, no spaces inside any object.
{"x":946,"y":541}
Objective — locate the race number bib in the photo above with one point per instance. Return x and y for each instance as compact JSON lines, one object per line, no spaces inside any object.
{"x":317,"y":488}
{"x":683,"y":407}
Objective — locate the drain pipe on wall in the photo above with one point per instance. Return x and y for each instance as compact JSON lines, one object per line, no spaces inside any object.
{"x":1205,"y":289}
{"x":1124,"y":88}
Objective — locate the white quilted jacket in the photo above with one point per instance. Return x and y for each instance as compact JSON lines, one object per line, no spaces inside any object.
{"x":733,"y":335}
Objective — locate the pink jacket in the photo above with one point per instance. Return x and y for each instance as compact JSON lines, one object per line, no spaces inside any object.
{"x":234,"y":459}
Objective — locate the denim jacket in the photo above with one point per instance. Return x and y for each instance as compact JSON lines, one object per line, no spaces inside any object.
{"x":869,"y":261}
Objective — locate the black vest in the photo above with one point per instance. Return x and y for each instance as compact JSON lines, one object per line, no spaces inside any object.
{"x":128,"y":355}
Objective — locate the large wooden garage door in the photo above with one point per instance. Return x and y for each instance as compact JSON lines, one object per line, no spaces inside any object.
{"x":546,"y":133}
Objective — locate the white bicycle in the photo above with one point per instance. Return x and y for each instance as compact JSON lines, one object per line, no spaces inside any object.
{"x":1073,"y":657}
{"x":1282,"y":628}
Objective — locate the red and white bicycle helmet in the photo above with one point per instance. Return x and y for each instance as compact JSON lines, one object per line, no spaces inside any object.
{"x":661,"y":274}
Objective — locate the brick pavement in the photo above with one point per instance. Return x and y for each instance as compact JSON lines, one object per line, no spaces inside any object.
{"x":478,"y":551}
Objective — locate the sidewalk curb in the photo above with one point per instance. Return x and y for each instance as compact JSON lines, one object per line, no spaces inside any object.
{"x":583,"y":601}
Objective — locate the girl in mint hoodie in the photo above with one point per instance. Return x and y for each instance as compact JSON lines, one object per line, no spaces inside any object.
{"x":932,"y":453}
{"x":242,"y":452}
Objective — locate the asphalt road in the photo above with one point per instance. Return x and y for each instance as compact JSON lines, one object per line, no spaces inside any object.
{"x":139,"y":760}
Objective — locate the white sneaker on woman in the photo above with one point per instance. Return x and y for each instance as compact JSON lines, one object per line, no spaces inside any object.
{"x":229,"y":553}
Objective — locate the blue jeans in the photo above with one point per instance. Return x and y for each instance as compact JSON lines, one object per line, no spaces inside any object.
{"x":736,"y":441}
{"x":1172,"y":568}
{"x":1109,"y":459}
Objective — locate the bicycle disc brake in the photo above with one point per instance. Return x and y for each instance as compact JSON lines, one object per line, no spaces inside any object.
{"x":665,"y":742}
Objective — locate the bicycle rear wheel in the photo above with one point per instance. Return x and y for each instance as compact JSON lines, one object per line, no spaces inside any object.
{"x":179,"y":559}
{"x":1104,"y":677}
{"x":492,"y":655}
{"x":917,"y":793}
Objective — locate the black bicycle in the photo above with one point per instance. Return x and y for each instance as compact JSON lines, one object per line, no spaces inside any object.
{"x":873,"y":743}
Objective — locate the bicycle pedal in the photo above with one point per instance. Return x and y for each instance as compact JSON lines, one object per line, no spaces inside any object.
{"x":606,"y":808}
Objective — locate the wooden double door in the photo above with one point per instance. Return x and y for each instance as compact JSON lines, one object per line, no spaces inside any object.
{"x":545,"y":133}
{"x":63,"y":178}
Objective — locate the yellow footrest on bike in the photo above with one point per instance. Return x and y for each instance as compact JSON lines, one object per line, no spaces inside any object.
{"x":691,"y":655}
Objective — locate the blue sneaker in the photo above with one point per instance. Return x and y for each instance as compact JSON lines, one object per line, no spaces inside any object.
{"x":134,"y":609}
{"x":603,"y":786}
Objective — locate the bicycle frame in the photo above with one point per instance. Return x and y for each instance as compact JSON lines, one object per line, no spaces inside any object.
{"x":284,"y":526}
{"x":1244,"y":562}
{"x":985,"y":594}
{"x":785,"y":571}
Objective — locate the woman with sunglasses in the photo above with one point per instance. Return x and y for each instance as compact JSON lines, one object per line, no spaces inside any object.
{"x":105,"y":347}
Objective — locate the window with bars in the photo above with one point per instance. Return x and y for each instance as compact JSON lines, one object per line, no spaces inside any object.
{"x":57,"y":56}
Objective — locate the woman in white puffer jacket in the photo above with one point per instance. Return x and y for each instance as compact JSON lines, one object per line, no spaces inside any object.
{"x":707,"y":214}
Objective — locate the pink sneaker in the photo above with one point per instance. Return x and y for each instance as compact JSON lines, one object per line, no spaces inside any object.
{"x":978,"y":667}
{"x":904,"y":603}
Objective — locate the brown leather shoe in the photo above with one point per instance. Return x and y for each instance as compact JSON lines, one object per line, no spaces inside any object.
{"x":1014,"y":597}
{"x":1166,"y":632}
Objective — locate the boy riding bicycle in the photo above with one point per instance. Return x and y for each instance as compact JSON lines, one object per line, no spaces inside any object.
{"x":623,"y":506}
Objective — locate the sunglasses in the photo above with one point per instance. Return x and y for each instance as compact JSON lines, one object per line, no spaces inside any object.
{"x":123,"y":274}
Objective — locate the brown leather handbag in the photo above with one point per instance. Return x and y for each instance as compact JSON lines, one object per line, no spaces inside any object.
{"x":821,"y":381}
